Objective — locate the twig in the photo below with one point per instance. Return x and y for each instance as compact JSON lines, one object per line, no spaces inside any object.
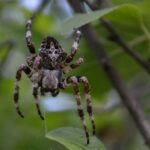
{"x":132,"y":43}
{"x":118,"y":39}
{"x":107,"y":108}
{"x":115,"y":37}
{"x":8,"y":45}
{"x":41,"y":7}
{"x":127,"y":98}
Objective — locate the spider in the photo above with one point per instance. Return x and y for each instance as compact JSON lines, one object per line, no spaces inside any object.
{"x":46,"y":70}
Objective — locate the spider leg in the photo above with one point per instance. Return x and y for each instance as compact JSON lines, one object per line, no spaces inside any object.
{"x":77,"y":63}
{"x":74,"y":82}
{"x":42,"y":91}
{"x":27,"y":71}
{"x":87,"y":90}
{"x":35,"y":94}
{"x":74,"y":46}
{"x":68,"y":67}
{"x":55,"y":92}
{"x":29,"y":42}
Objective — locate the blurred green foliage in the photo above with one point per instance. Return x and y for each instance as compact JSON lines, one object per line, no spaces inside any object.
{"x":132,"y":24}
{"x":72,"y":138}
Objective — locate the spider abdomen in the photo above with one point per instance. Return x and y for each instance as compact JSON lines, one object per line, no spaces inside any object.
{"x":50,"y":79}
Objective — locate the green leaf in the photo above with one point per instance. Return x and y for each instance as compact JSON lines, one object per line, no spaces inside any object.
{"x":68,"y":138}
{"x":79,"y":20}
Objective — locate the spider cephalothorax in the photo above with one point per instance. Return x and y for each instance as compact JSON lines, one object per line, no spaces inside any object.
{"x":47,"y":69}
{"x":51,"y":53}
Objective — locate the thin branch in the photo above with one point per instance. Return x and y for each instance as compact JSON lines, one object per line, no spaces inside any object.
{"x":127,"y":98}
{"x":118,"y":39}
{"x":41,"y":7}
{"x":7,"y":45}
{"x":115,"y":37}
{"x":107,"y":108}
{"x":132,"y":43}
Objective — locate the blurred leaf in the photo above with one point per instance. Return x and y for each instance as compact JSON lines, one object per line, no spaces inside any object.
{"x":74,"y":139}
{"x":44,"y":24}
{"x":81,"y":19}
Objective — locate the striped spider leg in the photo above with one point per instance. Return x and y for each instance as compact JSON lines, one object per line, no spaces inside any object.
{"x":75,"y":82}
{"x":33,"y":64}
{"x":29,"y":42}
{"x":35,"y":77}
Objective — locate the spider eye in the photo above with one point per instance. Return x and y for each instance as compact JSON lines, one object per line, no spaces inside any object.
{"x":56,"y":52}
{"x":42,"y":53}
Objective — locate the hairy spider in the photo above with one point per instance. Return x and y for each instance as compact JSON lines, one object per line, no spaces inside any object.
{"x":46,"y":71}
